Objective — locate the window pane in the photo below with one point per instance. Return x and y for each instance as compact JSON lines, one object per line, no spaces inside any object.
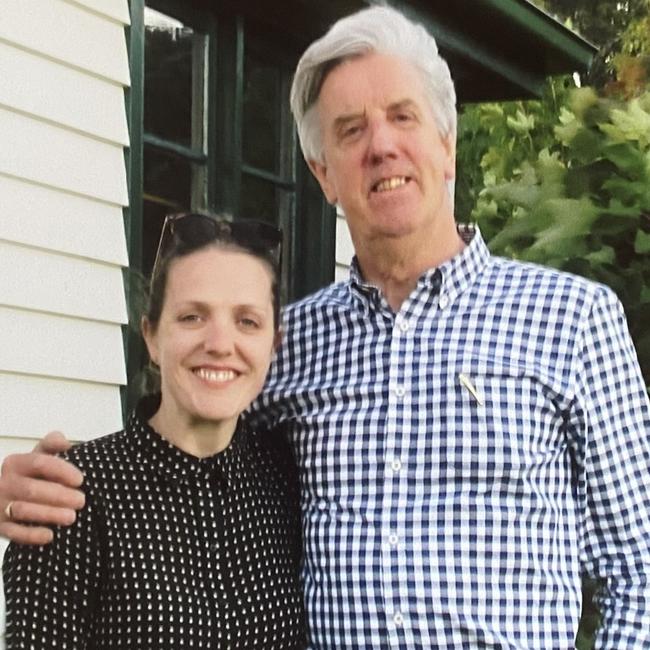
{"x":174,"y":89}
{"x":263,"y":200}
{"x":167,"y":189}
{"x":263,"y":97}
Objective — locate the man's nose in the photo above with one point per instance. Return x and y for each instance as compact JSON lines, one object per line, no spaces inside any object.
{"x":382,"y":142}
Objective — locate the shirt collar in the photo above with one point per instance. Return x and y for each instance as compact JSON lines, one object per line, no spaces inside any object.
{"x":462,"y":270}
{"x":449,"y":279}
{"x":172,"y":463}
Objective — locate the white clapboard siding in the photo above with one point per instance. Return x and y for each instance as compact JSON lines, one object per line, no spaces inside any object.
{"x":52,"y":219}
{"x":58,"y":157}
{"x":116,"y":9}
{"x":61,"y":94}
{"x":32,"y":405}
{"x":39,"y":280}
{"x":69,"y":33}
{"x":63,"y":70}
{"x":58,"y":346}
{"x":344,"y":249}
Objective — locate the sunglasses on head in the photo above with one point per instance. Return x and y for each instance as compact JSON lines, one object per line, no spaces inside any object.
{"x":192,"y":230}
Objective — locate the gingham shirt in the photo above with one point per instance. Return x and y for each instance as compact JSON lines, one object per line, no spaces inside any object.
{"x":465,"y":460}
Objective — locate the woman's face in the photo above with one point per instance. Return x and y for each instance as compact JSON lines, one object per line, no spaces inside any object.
{"x":215,"y":338}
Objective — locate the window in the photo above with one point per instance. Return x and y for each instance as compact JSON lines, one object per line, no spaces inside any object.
{"x":211,"y":129}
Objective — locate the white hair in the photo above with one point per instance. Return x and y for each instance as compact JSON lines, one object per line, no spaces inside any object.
{"x":380,"y":30}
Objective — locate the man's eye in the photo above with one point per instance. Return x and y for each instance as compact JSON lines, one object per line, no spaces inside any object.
{"x":350,"y":132}
{"x":189,"y":318}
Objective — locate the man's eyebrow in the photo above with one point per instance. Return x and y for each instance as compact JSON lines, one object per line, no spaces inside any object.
{"x":346,"y":118}
{"x":402,"y":104}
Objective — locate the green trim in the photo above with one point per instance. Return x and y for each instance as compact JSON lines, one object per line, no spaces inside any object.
{"x":313,"y":250}
{"x":226,"y":95}
{"x":458,"y":43}
{"x":134,"y":103}
{"x":268,"y":176}
{"x":212,"y":132}
{"x":175,"y":148}
{"x":533,"y":19}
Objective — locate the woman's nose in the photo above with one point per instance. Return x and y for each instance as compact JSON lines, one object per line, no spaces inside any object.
{"x":218,"y":338}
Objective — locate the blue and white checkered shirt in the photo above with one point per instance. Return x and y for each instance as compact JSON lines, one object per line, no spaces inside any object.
{"x":466,"y":460}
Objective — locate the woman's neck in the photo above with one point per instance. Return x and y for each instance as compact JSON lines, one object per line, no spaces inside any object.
{"x":198,"y":438}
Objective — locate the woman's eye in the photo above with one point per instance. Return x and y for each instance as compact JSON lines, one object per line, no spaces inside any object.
{"x":189,"y":318}
{"x":249,"y":323}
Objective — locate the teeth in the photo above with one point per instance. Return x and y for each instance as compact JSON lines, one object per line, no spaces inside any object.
{"x":390,"y":183}
{"x":215,"y":375}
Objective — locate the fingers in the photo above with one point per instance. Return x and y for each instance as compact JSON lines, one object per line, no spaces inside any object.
{"x":25,"y":534}
{"x":37,"y":465}
{"x":41,"y":490}
{"x":37,"y":493}
{"x":23,"y":511}
{"x":53,"y":443}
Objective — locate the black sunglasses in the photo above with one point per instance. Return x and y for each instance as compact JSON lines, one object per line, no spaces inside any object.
{"x":193,"y":230}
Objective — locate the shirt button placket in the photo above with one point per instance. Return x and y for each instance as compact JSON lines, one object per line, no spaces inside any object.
{"x":397,"y":434}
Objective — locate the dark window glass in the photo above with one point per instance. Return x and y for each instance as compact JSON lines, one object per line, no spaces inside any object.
{"x":263,"y":100}
{"x":167,"y":189}
{"x":174,"y":80}
{"x":264,"y":200}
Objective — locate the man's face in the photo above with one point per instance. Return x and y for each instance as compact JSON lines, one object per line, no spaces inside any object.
{"x":385,"y":162}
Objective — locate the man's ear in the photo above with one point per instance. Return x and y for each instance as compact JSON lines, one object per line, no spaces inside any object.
{"x":320,"y":171}
{"x":150,"y":339}
{"x":449,"y":144}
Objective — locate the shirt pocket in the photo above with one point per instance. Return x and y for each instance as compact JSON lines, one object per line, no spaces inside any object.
{"x":504,"y":424}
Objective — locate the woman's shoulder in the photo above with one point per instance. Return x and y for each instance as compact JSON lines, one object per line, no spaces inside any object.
{"x":97,"y":456}
{"x":272,"y":446}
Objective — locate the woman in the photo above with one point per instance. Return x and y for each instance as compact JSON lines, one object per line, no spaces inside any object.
{"x":190,"y":533}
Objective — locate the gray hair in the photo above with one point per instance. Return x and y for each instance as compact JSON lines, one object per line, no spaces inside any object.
{"x":381,"y":30}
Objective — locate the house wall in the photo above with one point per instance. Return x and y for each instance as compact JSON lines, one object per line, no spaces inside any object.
{"x":344,"y":249}
{"x":63,"y":186}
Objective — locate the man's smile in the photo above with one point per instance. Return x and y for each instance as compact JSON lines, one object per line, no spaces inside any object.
{"x":387,"y":184}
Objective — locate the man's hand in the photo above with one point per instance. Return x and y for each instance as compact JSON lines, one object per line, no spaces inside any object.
{"x":39,"y":488}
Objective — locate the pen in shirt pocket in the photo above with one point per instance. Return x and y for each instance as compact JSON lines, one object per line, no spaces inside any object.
{"x":467,"y":382}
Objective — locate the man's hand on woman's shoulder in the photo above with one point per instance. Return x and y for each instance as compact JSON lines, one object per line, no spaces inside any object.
{"x":38,"y":490}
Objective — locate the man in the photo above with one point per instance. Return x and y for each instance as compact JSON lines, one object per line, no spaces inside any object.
{"x":472,"y":433}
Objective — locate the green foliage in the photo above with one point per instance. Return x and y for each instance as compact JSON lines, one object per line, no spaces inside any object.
{"x":620,"y":29}
{"x":565,"y":182}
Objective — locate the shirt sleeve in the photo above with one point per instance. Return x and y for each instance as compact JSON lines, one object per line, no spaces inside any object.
{"x":613,"y":429}
{"x":51,"y":590}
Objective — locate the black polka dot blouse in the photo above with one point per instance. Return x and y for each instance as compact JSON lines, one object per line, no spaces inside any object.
{"x":170,"y":551}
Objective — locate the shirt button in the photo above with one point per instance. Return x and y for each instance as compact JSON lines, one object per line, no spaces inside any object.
{"x":443,"y":301}
{"x":400,"y":391}
{"x":393,"y":539}
{"x":396,"y":465}
{"x":398,"y":618}
{"x":404,"y":325}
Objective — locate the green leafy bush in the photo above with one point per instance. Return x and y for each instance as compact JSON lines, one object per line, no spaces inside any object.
{"x":565,"y":182}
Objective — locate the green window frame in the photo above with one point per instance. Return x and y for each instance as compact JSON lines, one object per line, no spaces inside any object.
{"x":244,"y":59}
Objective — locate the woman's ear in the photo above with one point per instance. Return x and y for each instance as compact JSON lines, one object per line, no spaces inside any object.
{"x":277,"y":339}
{"x":150,"y":338}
